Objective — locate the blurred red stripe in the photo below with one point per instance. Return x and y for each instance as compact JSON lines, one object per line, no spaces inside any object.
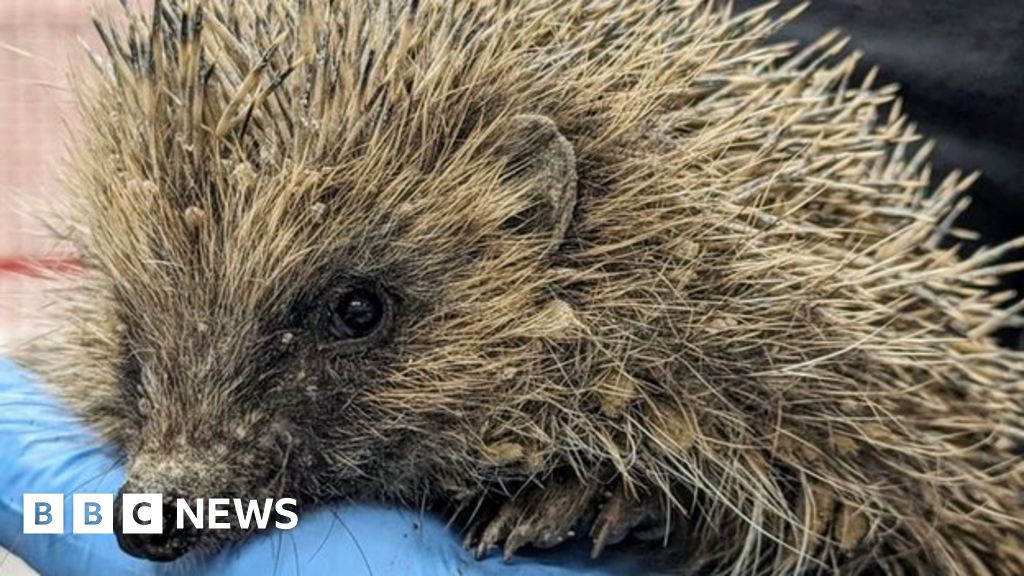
{"x":40,"y":266}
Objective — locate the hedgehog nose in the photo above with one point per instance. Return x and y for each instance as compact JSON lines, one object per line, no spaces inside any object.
{"x":169,"y":544}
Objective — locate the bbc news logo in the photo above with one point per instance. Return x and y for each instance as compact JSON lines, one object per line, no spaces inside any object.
{"x":144,"y":513}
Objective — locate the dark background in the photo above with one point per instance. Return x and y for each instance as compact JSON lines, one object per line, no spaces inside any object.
{"x":960,"y":64}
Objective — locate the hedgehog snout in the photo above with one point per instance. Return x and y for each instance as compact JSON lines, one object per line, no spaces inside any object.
{"x":178,"y":477}
{"x":167,"y":545}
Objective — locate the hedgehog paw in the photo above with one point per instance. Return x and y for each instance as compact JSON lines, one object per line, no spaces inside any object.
{"x":541,"y":517}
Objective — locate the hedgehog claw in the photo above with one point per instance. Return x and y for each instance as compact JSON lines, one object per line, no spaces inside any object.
{"x":620,"y":517}
{"x":495,"y":531}
{"x":516,"y":540}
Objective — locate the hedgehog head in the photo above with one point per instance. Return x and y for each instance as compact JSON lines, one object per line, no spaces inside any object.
{"x":326,"y":327}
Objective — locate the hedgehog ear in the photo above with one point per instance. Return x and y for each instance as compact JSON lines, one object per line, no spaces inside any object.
{"x":542,"y":162}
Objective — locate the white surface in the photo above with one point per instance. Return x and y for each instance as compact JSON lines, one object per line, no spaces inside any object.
{"x":11,"y":565}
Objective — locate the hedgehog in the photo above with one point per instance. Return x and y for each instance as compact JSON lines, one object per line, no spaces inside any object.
{"x":635,"y":272}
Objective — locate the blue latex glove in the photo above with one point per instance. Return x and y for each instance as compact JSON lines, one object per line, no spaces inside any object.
{"x":43,"y":450}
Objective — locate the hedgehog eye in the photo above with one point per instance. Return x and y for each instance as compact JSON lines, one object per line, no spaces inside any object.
{"x":357,"y":314}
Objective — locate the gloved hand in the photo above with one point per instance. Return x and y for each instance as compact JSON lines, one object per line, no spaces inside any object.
{"x":43,"y":450}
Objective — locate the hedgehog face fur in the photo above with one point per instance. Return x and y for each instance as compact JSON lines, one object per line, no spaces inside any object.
{"x":621,"y":267}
